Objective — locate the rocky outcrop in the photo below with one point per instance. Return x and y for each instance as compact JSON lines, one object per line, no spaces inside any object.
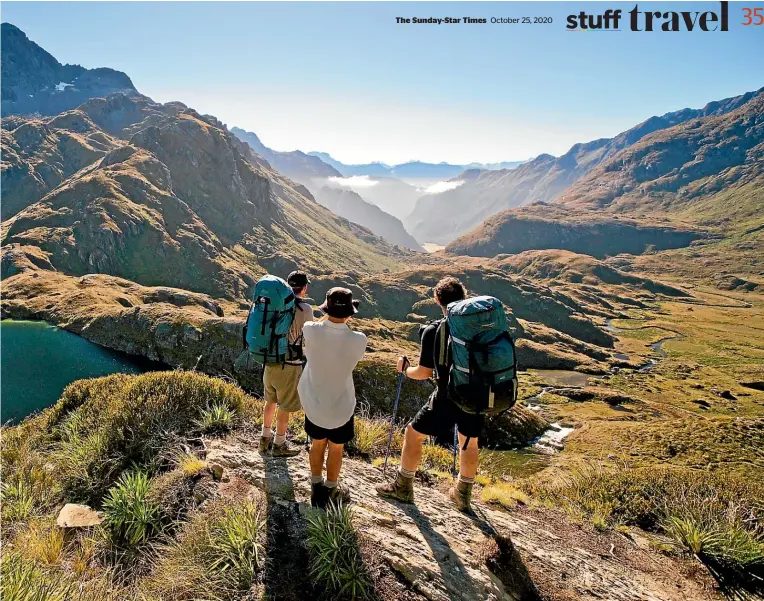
{"x":35,"y":82}
{"x":40,"y":154}
{"x":440,"y":554}
{"x":578,"y":268}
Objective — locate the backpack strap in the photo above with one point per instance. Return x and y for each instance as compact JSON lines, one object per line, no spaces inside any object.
{"x":265,"y":301}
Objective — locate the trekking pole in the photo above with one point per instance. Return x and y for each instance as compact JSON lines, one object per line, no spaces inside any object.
{"x":392,"y":420}
{"x":456,"y":444}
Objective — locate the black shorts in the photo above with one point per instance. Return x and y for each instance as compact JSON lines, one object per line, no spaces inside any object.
{"x":342,"y":435}
{"x":439,"y":419}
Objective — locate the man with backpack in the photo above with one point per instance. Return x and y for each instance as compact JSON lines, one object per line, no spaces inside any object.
{"x":274,"y":337}
{"x":471,"y":355}
{"x":326,"y":388}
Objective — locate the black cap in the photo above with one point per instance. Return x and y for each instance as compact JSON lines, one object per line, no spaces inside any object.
{"x":339,"y":303}
{"x":298,"y":279}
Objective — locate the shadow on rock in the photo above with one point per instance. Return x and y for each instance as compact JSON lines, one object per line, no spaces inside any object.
{"x":286,"y":577}
{"x":455,"y":573}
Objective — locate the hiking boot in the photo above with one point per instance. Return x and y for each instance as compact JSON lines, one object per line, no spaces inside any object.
{"x":284,"y":450}
{"x":401,"y":489}
{"x":319,"y":495}
{"x":338,"y":495}
{"x":265,"y":444}
{"x":461,"y":495}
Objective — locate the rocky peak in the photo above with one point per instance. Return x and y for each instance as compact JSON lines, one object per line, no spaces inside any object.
{"x":35,"y":82}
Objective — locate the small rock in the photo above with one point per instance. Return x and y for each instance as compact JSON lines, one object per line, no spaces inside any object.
{"x":725,"y":394}
{"x":73,"y":515}
{"x":217,"y":471}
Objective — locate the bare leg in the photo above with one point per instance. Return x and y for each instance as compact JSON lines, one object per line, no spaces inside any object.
{"x":412,"y":449}
{"x":334,"y":462}
{"x":282,"y":420}
{"x":468,"y":460}
{"x":268,"y":411}
{"x":316,"y":455}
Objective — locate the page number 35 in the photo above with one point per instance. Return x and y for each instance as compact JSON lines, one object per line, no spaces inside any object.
{"x":753,"y":16}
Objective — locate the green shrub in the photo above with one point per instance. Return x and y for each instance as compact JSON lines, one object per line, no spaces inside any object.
{"x":130,"y":517}
{"x":335,"y":558}
{"x":100,"y":427}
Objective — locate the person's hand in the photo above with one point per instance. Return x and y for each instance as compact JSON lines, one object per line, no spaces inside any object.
{"x":403,"y":363}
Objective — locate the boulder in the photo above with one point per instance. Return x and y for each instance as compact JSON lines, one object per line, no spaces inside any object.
{"x":73,"y":515}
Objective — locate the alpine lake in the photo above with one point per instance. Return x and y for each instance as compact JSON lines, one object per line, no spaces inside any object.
{"x":38,"y":360}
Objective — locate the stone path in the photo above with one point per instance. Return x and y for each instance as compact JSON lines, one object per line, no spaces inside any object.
{"x":437,"y":550}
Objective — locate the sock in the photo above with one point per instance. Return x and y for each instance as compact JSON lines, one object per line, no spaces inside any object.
{"x":316,"y":479}
{"x":266,"y":432}
{"x":406,"y":474}
{"x":331,"y":484}
{"x":466,"y":480}
{"x":279,"y":440}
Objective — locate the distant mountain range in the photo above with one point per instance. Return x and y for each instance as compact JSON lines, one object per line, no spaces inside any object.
{"x":320,"y":179}
{"x":295,"y":165}
{"x":35,"y":82}
{"x":442,"y":217}
{"x":703,"y":176}
{"x":410,"y":170}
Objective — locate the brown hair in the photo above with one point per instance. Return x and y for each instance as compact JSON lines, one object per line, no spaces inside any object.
{"x":449,"y":290}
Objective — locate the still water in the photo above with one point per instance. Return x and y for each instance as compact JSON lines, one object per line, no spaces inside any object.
{"x":38,"y":360}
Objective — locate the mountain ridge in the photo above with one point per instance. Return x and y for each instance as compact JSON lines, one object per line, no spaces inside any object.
{"x":541,"y":179}
{"x":413,"y":169}
{"x":35,"y":82}
{"x":317,"y":177}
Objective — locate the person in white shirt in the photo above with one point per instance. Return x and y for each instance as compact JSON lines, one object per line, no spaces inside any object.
{"x":327,"y":393}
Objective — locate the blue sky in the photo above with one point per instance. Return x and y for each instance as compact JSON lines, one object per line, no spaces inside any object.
{"x":344,"y":78}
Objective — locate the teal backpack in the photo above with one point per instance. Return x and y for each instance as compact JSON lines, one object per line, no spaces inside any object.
{"x":270,"y":317}
{"x":482,"y":377}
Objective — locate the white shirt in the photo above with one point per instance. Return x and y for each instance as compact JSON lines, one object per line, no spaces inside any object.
{"x":326,"y":386}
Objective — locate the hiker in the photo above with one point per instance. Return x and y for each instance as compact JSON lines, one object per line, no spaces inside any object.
{"x":327,"y":392}
{"x":459,"y":399}
{"x":281,"y":371}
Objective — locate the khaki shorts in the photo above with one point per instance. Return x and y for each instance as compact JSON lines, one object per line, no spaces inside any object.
{"x":280,"y":384}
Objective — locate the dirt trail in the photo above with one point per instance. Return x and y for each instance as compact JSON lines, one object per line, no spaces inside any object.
{"x":434,"y":550}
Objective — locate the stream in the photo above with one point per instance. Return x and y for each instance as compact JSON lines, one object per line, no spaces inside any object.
{"x":657,"y":346}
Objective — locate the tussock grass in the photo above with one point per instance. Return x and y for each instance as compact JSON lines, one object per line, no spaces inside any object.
{"x":372,"y":433}
{"x":216,"y":418}
{"x":42,"y":543}
{"x":335,"y":558}
{"x":504,"y":494}
{"x":189,"y":464}
{"x":715,"y":516}
{"x":26,"y":580}
{"x":437,"y":458}
{"x":216,"y":555}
